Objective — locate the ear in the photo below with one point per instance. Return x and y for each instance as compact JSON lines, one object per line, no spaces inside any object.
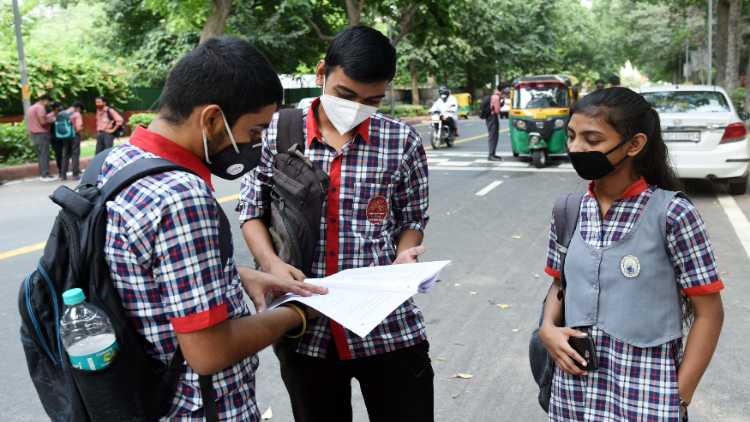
{"x":211,"y":119}
{"x":637,"y":144}
{"x":320,"y":72}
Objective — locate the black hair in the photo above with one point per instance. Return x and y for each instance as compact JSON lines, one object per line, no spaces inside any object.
{"x":103,"y":98}
{"x":226,"y":71}
{"x":56,"y":105}
{"x":77,"y":104}
{"x":630,"y":114}
{"x":599,"y":81}
{"x":364,"y":54}
{"x":614,"y":80}
{"x":44,"y":97}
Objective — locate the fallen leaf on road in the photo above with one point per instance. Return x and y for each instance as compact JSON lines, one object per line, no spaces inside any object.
{"x":440,"y":359}
{"x":267,"y":415}
{"x":455,"y":396}
{"x":462,"y":376}
{"x":503,"y":305}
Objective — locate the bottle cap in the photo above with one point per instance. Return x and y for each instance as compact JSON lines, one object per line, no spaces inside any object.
{"x":73,"y":296}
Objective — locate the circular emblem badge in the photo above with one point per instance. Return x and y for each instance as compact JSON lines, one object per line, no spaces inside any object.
{"x":630,"y":266}
{"x":377,"y":210}
{"x":235,"y":169}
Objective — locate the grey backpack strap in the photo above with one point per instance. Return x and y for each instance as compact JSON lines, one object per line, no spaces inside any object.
{"x":290,"y":130}
{"x":94,"y":168}
{"x":565,"y":213}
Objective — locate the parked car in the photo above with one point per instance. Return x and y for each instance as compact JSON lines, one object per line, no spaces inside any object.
{"x":705,"y":135}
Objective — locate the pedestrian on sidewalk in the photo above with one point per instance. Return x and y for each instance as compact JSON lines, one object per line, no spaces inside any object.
{"x":108,"y":123}
{"x":60,"y":132}
{"x":375,"y":213}
{"x":71,"y":150}
{"x":640,"y":273}
{"x":169,"y":260}
{"x":493,"y":123}
{"x":39,"y":124}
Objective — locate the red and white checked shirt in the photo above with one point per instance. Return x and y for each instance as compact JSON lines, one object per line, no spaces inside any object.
{"x":378,"y":189}
{"x":162,"y":247}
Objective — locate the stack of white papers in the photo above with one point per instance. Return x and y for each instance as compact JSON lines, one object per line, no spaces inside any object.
{"x":361,"y":298}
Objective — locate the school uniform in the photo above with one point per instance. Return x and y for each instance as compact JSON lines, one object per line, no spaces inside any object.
{"x":378,"y":189}
{"x":625,"y":275}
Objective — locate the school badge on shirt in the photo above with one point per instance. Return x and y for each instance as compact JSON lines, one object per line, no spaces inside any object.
{"x":630,"y":266}
{"x":377,"y":209}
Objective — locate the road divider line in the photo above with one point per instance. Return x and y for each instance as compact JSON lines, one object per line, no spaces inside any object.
{"x":22,"y":251}
{"x":487,"y":189}
{"x":39,"y":246}
{"x":738,"y":219}
{"x":469,"y":139}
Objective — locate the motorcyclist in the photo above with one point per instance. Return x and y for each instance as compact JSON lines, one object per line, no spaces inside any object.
{"x":447,"y":105}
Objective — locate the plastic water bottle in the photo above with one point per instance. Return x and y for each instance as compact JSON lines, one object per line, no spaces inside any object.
{"x":87,"y":333}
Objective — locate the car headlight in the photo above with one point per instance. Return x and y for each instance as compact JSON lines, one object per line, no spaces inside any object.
{"x":559,"y":123}
{"x":521,"y":124}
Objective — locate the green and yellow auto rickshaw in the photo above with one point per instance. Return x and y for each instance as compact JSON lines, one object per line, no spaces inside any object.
{"x":464,"y":104}
{"x":540,"y":108}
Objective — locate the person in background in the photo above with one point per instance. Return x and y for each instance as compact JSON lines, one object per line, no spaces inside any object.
{"x":56,"y":142}
{"x":599,"y":84}
{"x":108,"y":121}
{"x":614,"y":81}
{"x":72,"y":148}
{"x":496,"y":103}
{"x":447,"y":105}
{"x":39,"y":123}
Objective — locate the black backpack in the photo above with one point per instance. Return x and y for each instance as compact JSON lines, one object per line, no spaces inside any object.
{"x":485,"y":110}
{"x":119,"y":130}
{"x":135,"y":387}
{"x":297,"y":190}
{"x":565,"y":214}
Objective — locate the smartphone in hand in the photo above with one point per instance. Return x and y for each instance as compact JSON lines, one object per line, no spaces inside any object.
{"x":587,"y":349}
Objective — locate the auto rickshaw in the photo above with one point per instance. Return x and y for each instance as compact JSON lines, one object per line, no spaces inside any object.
{"x":464,"y":104}
{"x":539,"y":113}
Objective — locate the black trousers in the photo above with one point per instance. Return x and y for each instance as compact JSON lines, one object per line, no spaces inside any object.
{"x":71,"y":151}
{"x":104,"y":140}
{"x":396,"y":386}
{"x":493,"y":131}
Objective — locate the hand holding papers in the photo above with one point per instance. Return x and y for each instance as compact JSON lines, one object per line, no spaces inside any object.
{"x":361,"y":298}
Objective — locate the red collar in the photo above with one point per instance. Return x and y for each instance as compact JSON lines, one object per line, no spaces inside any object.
{"x":636,"y":188}
{"x":313,"y":131}
{"x":167,"y":149}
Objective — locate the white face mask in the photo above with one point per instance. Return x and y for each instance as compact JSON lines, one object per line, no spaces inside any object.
{"x":345,"y":115}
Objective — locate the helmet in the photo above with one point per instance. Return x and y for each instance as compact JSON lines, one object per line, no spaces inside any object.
{"x":443,"y":90}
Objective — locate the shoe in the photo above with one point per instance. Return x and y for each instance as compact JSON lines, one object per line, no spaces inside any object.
{"x":75,"y":177}
{"x":48,"y":178}
{"x":494,"y":158}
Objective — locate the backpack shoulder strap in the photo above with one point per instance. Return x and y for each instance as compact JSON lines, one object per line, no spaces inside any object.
{"x":565,"y":213}
{"x":134,"y":171}
{"x":94,"y":168}
{"x":290,"y":130}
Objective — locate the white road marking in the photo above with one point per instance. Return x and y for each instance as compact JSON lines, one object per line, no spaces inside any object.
{"x":503,"y":168}
{"x":487,"y":189}
{"x":738,"y":219}
{"x":456,"y":163}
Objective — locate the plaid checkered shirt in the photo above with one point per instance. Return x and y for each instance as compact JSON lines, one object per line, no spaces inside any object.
{"x":162,"y":247}
{"x":383,"y":167}
{"x":632,"y":383}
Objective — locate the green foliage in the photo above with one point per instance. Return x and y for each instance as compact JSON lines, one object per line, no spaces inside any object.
{"x":738,"y":98}
{"x":15,"y":145}
{"x":141,"y":119}
{"x":403,"y":110}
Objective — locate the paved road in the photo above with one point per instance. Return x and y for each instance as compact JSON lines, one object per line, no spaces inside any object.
{"x":497,"y":243}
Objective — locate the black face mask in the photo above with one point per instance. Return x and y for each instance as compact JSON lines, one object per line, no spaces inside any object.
{"x":230,"y":164}
{"x":593,"y":165}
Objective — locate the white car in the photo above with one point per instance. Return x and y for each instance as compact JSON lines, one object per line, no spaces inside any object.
{"x":705,"y":135}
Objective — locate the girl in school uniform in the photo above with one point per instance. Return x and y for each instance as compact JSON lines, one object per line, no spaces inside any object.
{"x":640,"y":273}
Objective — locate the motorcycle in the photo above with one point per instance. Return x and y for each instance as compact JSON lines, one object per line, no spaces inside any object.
{"x":441,"y":133}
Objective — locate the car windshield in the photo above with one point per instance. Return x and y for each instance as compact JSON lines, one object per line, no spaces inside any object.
{"x":540,"y":95}
{"x":688,"y":101}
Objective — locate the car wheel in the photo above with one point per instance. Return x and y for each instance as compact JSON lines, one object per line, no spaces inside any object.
{"x":738,"y":186}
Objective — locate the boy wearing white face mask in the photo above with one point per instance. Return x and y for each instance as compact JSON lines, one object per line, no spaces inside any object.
{"x":374,"y":213}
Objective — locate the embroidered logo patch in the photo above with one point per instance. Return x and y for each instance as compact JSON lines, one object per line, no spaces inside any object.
{"x":377,"y":209}
{"x":235,"y":169}
{"x":630,"y":266}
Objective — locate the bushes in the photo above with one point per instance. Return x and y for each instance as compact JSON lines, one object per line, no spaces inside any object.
{"x":15,"y":145}
{"x":403,"y":110}
{"x":140,"y":119}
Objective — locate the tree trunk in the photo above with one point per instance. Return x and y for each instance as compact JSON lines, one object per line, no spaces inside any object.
{"x":354,"y":11}
{"x":732,"y":70}
{"x":217,"y":21}
{"x":414,"y":82}
{"x":721,"y":39}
